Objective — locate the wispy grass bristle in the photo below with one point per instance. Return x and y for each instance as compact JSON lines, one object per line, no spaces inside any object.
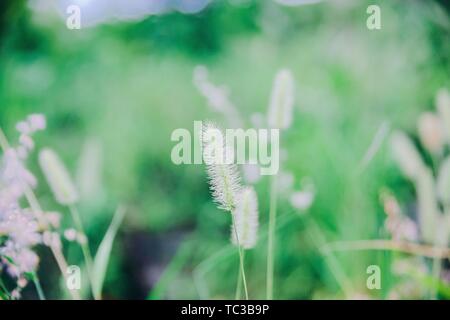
{"x":222,"y":172}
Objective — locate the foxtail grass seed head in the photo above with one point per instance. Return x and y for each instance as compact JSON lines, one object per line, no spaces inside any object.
{"x":443,"y":108}
{"x":222,"y":172}
{"x":427,"y":205}
{"x":246,"y":219}
{"x":88,"y":177}
{"x":443,"y":182}
{"x":281,"y":101}
{"x":431,"y":132}
{"x":406,"y":155}
{"x":58,"y":177}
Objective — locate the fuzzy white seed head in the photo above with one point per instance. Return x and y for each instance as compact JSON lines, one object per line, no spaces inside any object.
{"x":58,"y":177}
{"x":246,"y":219}
{"x":428,"y":211}
{"x":431,"y":132}
{"x":406,"y":155}
{"x":222,"y":172}
{"x":443,"y":108}
{"x":302,"y":200}
{"x":443,"y":182}
{"x":281,"y":101}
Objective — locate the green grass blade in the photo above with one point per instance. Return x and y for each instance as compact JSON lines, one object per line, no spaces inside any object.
{"x":101,"y":259}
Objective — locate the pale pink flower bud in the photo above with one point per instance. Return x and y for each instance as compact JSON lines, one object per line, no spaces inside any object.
{"x":70,"y":234}
{"x":37,"y":122}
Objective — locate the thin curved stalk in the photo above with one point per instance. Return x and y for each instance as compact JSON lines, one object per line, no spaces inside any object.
{"x":241,"y":258}
{"x":84,"y":247}
{"x":380,"y":244}
{"x":37,"y":284}
{"x":239,"y":281}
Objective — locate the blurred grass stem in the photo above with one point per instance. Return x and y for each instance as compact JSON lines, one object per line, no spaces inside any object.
{"x":239,"y":281}
{"x":380,"y":244}
{"x":318,"y":238}
{"x":37,"y":284}
{"x":84,"y":246}
{"x":241,"y":258}
{"x":271,"y":236}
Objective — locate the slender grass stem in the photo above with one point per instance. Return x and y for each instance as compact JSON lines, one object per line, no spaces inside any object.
{"x":177,"y":263}
{"x":3,"y":140}
{"x":380,"y":244}
{"x":37,"y":211}
{"x":271,"y":237}
{"x":4,"y":292}
{"x":209,"y":264}
{"x":84,"y":247}
{"x":435,"y":271}
{"x":37,"y":284}
{"x":239,"y":281}
{"x":318,"y":238}
{"x":241,"y":258}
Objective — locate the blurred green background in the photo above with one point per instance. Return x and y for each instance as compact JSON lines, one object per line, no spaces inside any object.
{"x":121,"y":87}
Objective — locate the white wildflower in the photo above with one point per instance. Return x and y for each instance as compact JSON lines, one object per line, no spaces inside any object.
{"x":15,"y":176}
{"x":19,"y":229}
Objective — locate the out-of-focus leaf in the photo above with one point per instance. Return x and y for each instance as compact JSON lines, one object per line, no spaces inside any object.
{"x":104,"y":251}
{"x":171,"y":271}
{"x":4,"y":295}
